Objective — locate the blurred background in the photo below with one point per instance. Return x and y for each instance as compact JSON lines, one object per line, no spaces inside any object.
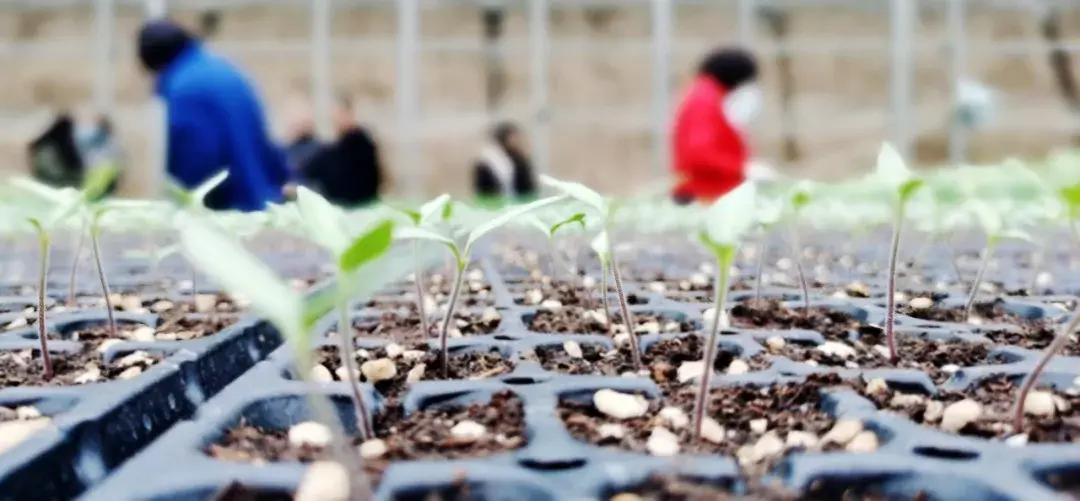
{"x":593,"y":82}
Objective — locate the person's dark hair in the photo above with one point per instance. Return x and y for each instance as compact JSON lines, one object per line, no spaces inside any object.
{"x":730,"y":67}
{"x":502,"y":131}
{"x":160,"y":41}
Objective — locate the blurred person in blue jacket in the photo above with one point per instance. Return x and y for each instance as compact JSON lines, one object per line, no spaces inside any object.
{"x":215,"y":121}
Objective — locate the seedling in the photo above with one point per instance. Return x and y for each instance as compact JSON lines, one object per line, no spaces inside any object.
{"x":462,"y":255}
{"x":600,"y":246}
{"x":438,"y":210}
{"x":241,"y":274}
{"x":993,"y":223}
{"x":901,"y":184}
{"x":800,"y":197}
{"x":606,"y":208}
{"x":724,"y":229}
{"x":768,"y":214}
{"x":549,"y":230}
{"x":323,"y":222}
{"x":1060,"y":340}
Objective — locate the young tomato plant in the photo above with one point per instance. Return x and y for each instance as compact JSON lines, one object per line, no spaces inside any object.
{"x":323,"y":222}
{"x":462,"y":255}
{"x":241,"y":274}
{"x":993,"y":224}
{"x":438,"y":210}
{"x":549,"y":230}
{"x":800,"y":196}
{"x":726,"y":226}
{"x":606,"y":209}
{"x":901,"y":184}
{"x":768,"y":214}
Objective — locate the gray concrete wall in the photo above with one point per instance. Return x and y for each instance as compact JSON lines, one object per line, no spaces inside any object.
{"x":840,"y":113}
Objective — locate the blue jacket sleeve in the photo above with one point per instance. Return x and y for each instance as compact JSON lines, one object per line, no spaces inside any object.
{"x":188,"y":156}
{"x":257,"y":161}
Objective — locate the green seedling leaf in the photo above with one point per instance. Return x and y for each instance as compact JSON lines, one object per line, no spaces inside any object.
{"x":801,"y":194}
{"x":578,"y":218}
{"x":601,"y":247}
{"x":239,"y":272}
{"x":441,"y":206}
{"x":578,"y":191}
{"x":988,"y":218}
{"x":367,"y":247}
{"x":908,"y":188}
{"x":323,"y":221}
{"x":731,"y":217}
{"x":197,"y":196}
{"x":97,"y":182}
{"x":891,"y":168}
{"x":510,"y":215}
{"x":1071,"y":196}
{"x":420,"y":233}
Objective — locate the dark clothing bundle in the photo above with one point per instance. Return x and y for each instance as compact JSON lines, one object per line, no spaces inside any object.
{"x":215,"y":121}
{"x":501,"y":172}
{"x":65,"y":153}
{"x":54,"y":156}
{"x":346,"y":172}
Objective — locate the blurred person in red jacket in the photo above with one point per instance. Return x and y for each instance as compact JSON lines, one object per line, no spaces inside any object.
{"x":710,"y":144}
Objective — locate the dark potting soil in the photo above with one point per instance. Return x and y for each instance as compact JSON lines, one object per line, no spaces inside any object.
{"x":662,"y":359}
{"x":665,"y":488}
{"x":406,"y":329}
{"x":997,"y":397}
{"x":926,"y":355}
{"x":24,"y":368}
{"x":419,"y":436}
{"x":576,"y":295}
{"x":1033,"y":336}
{"x":471,"y":365}
{"x":573,"y":320}
{"x":774,"y":315}
{"x":988,"y":312}
{"x":786,"y":408}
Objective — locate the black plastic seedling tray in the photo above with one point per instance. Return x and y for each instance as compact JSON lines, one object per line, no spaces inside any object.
{"x":913,"y":462}
{"x":97,"y":427}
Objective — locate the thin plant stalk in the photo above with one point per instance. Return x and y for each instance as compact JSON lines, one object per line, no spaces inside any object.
{"x":444,"y":331}
{"x":1036,"y":268}
{"x":987,"y":254}
{"x":890,"y":295}
{"x":722,"y":271}
{"x":624,"y":309}
{"x":955,"y":264}
{"x":75,"y":263}
{"x":194,"y":290}
{"x":96,"y":249}
{"x":604,"y":297}
{"x":798,"y":254}
{"x":323,"y":412}
{"x":348,"y":358}
{"x":419,"y":274}
{"x":43,"y":332}
{"x":762,"y":250}
{"x":1059,"y":342}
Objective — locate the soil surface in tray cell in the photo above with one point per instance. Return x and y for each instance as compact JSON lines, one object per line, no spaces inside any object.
{"x":774,"y":315}
{"x":24,"y":368}
{"x":939,"y":359}
{"x":662,"y":359}
{"x":465,"y":366}
{"x":987,"y":313}
{"x":406,"y":328}
{"x":581,"y":321}
{"x":429,"y":434}
{"x":661,"y":488}
{"x":1056,"y":419}
{"x":1033,"y":336}
{"x":572,"y":295}
{"x":756,"y":424}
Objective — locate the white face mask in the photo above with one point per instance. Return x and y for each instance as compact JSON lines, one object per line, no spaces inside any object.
{"x":742,"y":106}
